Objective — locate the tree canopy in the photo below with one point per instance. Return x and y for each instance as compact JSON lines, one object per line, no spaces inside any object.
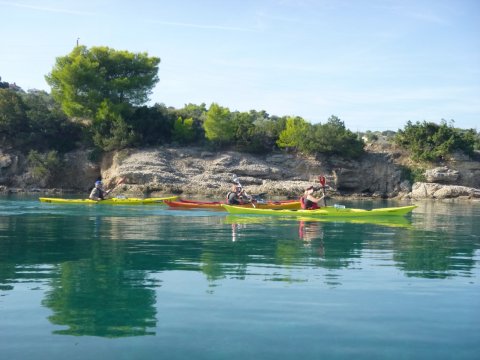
{"x":82,"y":80}
{"x":331,"y":138}
{"x":218,"y":125}
{"x":109,"y":88}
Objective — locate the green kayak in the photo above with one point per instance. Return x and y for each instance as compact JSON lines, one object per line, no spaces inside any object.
{"x":111,"y":201}
{"x":329,"y":211}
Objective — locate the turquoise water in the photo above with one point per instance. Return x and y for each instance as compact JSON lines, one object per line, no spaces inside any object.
{"x":147,"y":282}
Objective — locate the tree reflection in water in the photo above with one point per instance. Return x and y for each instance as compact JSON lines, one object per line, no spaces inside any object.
{"x":104,"y":272}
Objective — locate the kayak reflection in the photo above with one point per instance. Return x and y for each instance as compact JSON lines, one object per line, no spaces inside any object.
{"x":393,"y":221}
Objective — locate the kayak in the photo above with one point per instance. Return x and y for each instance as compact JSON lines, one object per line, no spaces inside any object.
{"x":329,"y":211}
{"x":217,"y":205}
{"x":111,"y":201}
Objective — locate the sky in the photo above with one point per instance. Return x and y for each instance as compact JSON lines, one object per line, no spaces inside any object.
{"x":375,"y":64}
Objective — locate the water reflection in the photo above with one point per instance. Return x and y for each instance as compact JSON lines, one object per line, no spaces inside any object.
{"x":448,"y":215}
{"x":100,"y":298}
{"x":444,"y":242}
{"x":103,"y":271}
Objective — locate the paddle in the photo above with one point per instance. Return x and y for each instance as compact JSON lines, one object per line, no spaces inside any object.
{"x":235,"y":180}
{"x":117,"y":184}
{"x":321,"y":178}
{"x":259,"y":198}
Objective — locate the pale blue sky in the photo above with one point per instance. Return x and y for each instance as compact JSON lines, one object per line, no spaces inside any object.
{"x":374,"y":63}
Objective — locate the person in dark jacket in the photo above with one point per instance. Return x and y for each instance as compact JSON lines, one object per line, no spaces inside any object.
{"x":98,"y":193}
{"x":236,"y":196}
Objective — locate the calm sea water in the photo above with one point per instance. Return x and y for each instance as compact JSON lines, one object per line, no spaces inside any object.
{"x":147,"y":282}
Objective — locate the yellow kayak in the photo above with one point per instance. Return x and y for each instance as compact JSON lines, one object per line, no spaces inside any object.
{"x":329,"y":211}
{"x":111,"y":201}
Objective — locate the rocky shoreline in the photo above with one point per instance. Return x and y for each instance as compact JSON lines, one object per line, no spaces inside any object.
{"x":196,"y":172}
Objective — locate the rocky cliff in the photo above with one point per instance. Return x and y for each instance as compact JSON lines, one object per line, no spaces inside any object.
{"x":195,"y":171}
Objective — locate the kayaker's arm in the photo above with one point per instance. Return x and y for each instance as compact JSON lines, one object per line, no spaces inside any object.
{"x":119,"y":182}
{"x":315,"y":199}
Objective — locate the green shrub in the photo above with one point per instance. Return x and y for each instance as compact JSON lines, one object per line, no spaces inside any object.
{"x":413,"y":175}
{"x":34,"y":121}
{"x":110,"y":130}
{"x":45,"y":167}
{"x":333,"y":138}
{"x":432,"y":142}
{"x":183,"y":130}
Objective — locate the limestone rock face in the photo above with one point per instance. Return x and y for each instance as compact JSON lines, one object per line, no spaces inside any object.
{"x":421,"y":190}
{"x":9,"y":164}
{"x":192,"y":171}
{"x":79,"y":173}
{"x":196,"y":171}
{"x":5,"y":160}
{"x":375,"y":174}
{"x":442,"y":175}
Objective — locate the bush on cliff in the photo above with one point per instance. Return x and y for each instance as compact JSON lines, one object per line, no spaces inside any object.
{"x":45,"y":167}
{"x":429,"y":141}
{"x":33,"y":120}
{"x":331,"y":138}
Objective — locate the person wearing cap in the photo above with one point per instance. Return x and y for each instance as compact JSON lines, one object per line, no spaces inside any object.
{"x":310,"y":202}
{"x":98,"y":193}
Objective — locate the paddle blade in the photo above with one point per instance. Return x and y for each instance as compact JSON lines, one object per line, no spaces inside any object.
{"x":322,"y":180}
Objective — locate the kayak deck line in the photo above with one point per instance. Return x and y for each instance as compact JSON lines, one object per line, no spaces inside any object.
{"x":329,"y":211}
{"x":111,"y":201}
{"x":217,"y":205}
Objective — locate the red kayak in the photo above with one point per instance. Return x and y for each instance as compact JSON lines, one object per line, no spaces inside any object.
{"x":217,"y":205}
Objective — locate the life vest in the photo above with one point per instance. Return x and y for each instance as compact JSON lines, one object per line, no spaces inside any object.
{"x":231,"y":198}
{"x":306,"y":204}
{"x":97,"y":193}
{"x":302,"y":203}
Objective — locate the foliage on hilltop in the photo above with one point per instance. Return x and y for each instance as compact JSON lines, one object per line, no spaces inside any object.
{"x":33,"y":120}
{"x":429,"y":141}
{"x":87,"y":80}
{"x":331,"y":138}
{"x":98,"y":99}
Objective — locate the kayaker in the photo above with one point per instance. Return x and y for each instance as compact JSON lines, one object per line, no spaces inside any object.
{"x":310,"y":202}
{"x":236,"y":196}
{"x":98,"y":193}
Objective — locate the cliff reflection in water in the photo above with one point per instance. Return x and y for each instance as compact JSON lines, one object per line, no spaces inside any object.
{"x":104,"y":274}
{"x":444,"y":241}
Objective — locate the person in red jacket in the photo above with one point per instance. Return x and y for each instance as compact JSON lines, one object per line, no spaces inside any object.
{"x":310,"y":202}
